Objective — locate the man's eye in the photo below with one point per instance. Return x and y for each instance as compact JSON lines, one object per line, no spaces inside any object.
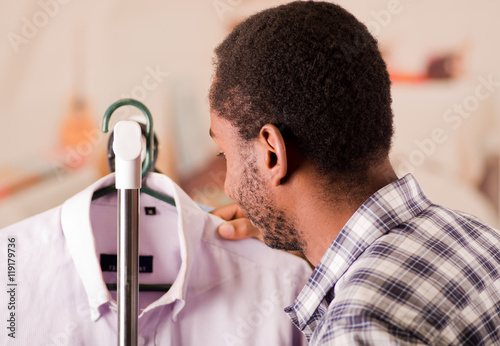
{"x":222,"y":154}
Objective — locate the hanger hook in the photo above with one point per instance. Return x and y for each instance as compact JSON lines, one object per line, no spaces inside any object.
{"x":146,"y":166}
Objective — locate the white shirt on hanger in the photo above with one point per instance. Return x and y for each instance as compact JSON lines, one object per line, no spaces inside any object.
{"x":223,"y":292}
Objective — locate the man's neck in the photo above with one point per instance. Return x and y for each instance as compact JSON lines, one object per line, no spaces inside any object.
{"x":321,"y":216}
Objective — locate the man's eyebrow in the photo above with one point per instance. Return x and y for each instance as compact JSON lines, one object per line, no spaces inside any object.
{"x":211,"y":133}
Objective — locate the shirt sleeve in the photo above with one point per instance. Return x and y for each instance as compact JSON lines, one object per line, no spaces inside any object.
{"x":361,"y":329}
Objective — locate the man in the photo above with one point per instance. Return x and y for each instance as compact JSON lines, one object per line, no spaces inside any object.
{"x":301,"y":111}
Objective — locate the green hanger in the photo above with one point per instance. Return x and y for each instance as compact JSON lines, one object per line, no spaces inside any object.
{"x":148,"y":161}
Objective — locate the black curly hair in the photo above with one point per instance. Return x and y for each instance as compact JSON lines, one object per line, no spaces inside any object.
{"x":312,"y":68}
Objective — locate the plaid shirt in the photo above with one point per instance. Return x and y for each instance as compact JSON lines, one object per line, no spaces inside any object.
{"x":404,"y":271}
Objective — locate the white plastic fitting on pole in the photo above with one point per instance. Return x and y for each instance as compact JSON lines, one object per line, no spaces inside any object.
{"x":127,"y":146}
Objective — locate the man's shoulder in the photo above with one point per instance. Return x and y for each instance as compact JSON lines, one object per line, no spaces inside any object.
{"x":420,"y":275}
{"x":425,"y":247}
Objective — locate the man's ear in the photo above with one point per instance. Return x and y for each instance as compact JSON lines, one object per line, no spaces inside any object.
{"x":273,"y":152}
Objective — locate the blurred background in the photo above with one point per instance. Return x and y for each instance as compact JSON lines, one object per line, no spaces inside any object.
{"x":63,"y":62}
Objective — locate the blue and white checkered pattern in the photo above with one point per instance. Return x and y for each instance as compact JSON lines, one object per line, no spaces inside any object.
{"x":404,"y":271}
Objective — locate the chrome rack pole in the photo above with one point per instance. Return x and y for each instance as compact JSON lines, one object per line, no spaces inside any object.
{"x":127,"y":146}
{"x":128,"y":266}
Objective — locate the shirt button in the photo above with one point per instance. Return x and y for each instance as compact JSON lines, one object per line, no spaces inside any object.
{"x":142,"y":341}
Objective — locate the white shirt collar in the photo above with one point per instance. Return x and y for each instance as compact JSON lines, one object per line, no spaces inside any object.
{"x":76,"y":225}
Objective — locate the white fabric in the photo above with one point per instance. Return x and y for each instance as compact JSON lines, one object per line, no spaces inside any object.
{"x":223,"y":293}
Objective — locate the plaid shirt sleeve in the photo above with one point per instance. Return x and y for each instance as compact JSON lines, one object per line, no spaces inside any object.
{"x":361,"y":330}
{"x":405,"y":272}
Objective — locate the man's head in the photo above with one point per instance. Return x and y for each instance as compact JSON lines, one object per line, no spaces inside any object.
{"x":314,"y":69}
{"x":307,"y":75}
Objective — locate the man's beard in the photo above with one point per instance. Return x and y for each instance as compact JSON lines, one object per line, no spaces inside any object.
{"x":277,"y":231}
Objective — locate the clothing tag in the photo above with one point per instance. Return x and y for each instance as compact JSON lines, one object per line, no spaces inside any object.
{"x":150,"y":210}
{"x":108,"y":263}
{"x":145,"y":264}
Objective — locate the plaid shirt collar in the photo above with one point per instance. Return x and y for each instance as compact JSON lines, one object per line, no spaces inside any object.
{"x":389,"y":207}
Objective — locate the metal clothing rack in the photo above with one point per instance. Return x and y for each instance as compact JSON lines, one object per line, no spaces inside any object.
{"x":127,"y":146}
